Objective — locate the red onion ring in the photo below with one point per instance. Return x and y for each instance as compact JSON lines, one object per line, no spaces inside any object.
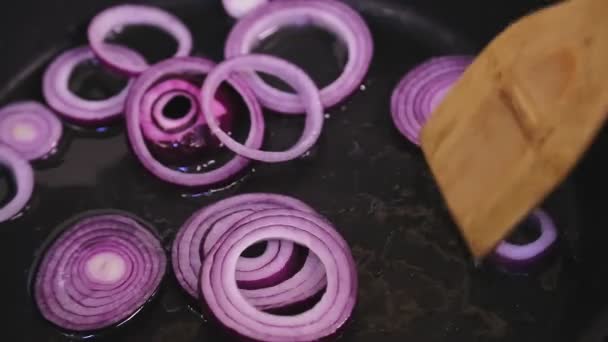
{"x":30,"y":128}
{"x":422,"y":90}
{"x":115,"y":19}
{"x":201,"y":232}
{"x":98,"y":272}
{"x":515,"y":256}
{"x":287,"y":72}
{"x":333,"y":16}
{"x":226,"y":301}
{"x":23,"y":176}
{"x":238,"y":8}
{"x":135,"y":110}
{"x":55,"y":87}
{"x":175,"y":139}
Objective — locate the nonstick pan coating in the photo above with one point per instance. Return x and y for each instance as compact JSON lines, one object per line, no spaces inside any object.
{"x":417,"y":282}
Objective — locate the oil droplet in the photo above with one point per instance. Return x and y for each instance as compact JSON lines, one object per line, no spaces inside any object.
{"x":327,"y":116}
{"x":363,"y":87}
{"x":343,"y":108}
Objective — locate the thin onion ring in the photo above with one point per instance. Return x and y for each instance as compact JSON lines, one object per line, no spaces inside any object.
{"x":114,"y":19}
{"x":325,"y":319}
{"x":134,"y":109}
{"x":287,"y":72}
{"x":55,"y":88}
{"x":23,"y":176}
{"x":333,"y":16}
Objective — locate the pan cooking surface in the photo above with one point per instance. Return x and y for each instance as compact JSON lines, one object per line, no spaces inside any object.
{"x":416,"y":280}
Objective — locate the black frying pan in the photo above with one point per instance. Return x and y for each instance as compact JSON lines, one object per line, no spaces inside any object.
{"x":417,"y":281}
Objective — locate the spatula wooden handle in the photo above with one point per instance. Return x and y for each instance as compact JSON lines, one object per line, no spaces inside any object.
{"x":520,"y":118}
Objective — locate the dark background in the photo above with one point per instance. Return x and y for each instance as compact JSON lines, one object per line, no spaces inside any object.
{"x":417,"y":281}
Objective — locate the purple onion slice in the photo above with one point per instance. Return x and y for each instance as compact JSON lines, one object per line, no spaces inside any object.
{"x":307,"y":92}
{"x":422,"y":90}
{"x":519,"y":257}
{"x":178,"y":136}
{"x":98,"y":272}
{"x":135,"y":110}
{"x":55,"y":87}
{"x":333,"y":16}
{"x":227,"y":303}
{"x":30,"y":128}
{"x":23,"y":176}
{"x":206,"y":227}
{"x":115,"y":19}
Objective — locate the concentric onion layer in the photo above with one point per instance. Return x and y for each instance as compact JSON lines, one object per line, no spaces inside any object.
{"x":98,"y":272}
{"x":227,"y":302}
{"x":270,"y":280}
{"x":517,"y":257}
{"x":333,"y":16}
{"x":55,"y":87}
{"x":136,"y":110}
{"x":23,"y":176}
{"x":307,"y":92}
{"x":421,"y":90}
{"x":184,"y":136}
{"x":115,"y":19}
{"x":30,"y":128}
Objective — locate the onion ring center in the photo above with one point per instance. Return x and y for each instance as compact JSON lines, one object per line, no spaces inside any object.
{"x":106,"y":267}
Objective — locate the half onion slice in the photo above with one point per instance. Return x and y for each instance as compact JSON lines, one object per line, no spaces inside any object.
{"x":55,"y":87}
{"x":335,"y":17}
{"x":206,"y":227}
{"x":115,"y":19}
{"x":23,"y":176}
{"x":422,"y":90}
{"x":187,"y":67}
{"x":225,"y":300}
{"x":30,"y":128}
{"x":307,"y":92}
{"x":98,"y":272}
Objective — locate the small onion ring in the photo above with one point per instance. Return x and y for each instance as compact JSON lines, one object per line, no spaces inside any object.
{"x":30,"y":128}
{"x":226,"y":301}
{"x":115,"y":19}
{"x":198,"y":235}
{"x":238,"y":8}
{"x":171,"y":125}
{"x":188,"y":65}
{"x":287,"y":72}
{"x":23,"y":176}
{"x":421,"y":90}
{"x":517,"y":256}
{"x":333,"y":16}
{"x":55,"y":87}
{"x":99,"y":271}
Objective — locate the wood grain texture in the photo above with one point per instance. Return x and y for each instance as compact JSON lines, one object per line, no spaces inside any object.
{"x":520,"y":118}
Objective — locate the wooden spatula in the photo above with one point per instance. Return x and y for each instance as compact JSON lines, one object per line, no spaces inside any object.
{"x":520,"y":118}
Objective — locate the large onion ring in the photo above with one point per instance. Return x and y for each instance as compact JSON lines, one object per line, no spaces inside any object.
{"x":55,"y":87}
{"x":333,"y":16}
{"x":23,"y":176}
{"x":287,"y":72}
{"x":201,"y":232}
{"x":98,"y":272}
{"x":514,"y":256}
{"x":187,"y":65}
{"x":30,"y":128}
{"x":421,"y":90}
{"x":115,"y":19}
{"x":226,"y":301}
